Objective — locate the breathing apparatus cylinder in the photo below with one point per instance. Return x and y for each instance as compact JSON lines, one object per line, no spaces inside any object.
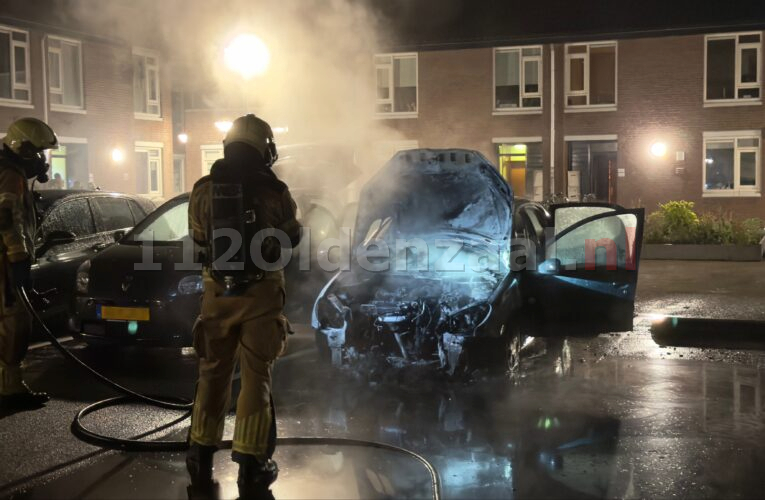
{"x":234,"y":224}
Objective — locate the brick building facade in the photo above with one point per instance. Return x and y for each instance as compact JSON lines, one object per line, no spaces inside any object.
{"x":108,"y":101}
{"x":696,"y":100}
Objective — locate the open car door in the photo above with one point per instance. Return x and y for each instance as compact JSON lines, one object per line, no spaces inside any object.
{"x":584,"y":277}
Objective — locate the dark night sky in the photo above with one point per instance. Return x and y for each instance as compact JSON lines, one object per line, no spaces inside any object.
{"x":424,"y":24}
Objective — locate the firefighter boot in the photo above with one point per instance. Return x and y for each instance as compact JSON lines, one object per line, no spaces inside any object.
{"x":255,"y":476}
{"x":14,"y":393}
{"x":199,"y":463}
{"x":24,"y":401}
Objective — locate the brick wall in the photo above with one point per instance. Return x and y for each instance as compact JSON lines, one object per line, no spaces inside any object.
{"x":660,"y":97}
{"x":108,"y":120}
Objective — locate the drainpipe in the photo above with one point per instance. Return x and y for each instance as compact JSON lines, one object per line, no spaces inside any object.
{"x":45,"y":77}
{"x":552,"y":120}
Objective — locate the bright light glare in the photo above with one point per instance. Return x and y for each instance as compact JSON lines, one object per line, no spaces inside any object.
{"x":117,"y":155}
{"x":247,"y":55}
{"x":223,"y":126}
{"x":281,"y":130}
{"x":183,"y":138}
{"x":658,"y":149}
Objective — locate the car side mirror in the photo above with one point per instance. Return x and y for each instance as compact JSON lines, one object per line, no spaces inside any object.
{"x":118,"y":235}
{"x":549,"y":266}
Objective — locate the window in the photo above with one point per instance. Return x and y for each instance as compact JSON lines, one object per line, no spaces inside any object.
{"x":579,"y":248}
{"x":396,"y":77}
{"x":112,"y":213}
{"x":171,"y":225}
{"x":210,"y":154}
{"x":65,"y":73}
{"x":591,"y":75}
{"x":138,"y":211}
{"x":148,"y":169}
{"x":14,"y":66}
{"x":518,"y":78}
{"x":732,"y":163}
{"x":178,"y":171}
{"x":73,"y":216}
{"x":146,"y":84}
{"x":733,"y":67}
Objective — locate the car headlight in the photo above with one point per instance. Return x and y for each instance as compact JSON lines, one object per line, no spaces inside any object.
{"x":83,"y":278}
{"x":468,"y":319}
{"x":190,"y":285}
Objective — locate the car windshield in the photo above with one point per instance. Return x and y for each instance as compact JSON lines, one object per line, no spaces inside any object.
{"x":171,"y":224}
{"x":472,"y":206}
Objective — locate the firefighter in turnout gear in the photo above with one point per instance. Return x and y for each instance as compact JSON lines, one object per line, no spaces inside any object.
{"x":242,"y":306}
{"x":22,"y":158}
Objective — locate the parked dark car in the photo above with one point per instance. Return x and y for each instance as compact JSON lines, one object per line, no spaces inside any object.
{"x":121,"y":305}
{"x":71,"y":227}
{"x":550,"y":280}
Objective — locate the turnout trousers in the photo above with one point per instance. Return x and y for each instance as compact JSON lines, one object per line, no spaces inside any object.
{"x":249,"y":329}
{"x":15,"y":327}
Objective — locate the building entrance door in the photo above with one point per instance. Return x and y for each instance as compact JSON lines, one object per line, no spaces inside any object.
{"x":603,"y":176}
{"x":592,"y":171}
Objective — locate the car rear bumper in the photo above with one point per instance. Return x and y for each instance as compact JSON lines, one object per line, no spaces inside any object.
{"x":170,"y":323}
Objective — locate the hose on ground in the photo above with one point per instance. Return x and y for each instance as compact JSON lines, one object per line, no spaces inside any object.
{"x":129,"y":396}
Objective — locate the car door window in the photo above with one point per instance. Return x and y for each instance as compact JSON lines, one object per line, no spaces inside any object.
{"x":173,"y":225}
{"x":112,"y":213}
{"x":608,"y":241}
{"x":138,"y":212}
{"x":72,"y":216}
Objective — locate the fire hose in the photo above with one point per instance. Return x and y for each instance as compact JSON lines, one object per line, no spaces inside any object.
{"x":180,"y":404}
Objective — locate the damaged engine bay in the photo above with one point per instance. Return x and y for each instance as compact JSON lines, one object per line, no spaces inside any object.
{"x":404,"y":317}
{"x":428,"y":314}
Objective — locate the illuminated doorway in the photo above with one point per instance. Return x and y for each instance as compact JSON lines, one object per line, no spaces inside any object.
{"x":520,"y":164}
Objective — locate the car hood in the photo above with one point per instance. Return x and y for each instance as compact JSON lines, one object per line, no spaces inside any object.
{"x":116,"y":272}
{"x":452,"y":190}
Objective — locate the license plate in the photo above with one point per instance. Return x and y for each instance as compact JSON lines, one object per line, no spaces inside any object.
{"x":124,"y":313}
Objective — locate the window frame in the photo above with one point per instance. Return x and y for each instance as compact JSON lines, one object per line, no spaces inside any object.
{"x":208,"y":147}
{"x":738,"y":190}
{"x":391,"y":83}
{"x":567,"y":92}
{"x":521,"y":109}
{"x":27,"y":84}
{"x":740,"y":47}
{"x":61,"y":64}
{"x":182,"y":159}
{"x":146,"y":54}
{"x":148,"y":148}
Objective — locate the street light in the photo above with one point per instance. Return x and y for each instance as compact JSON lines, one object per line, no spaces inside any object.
{"x":117,"y":155}
{"x":247,"y":55}
{"x":183,"y":137}
{"x":223,"y":126}
{"x":658,"y":149}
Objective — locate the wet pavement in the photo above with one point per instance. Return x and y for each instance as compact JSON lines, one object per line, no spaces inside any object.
{"x":611,"y":416}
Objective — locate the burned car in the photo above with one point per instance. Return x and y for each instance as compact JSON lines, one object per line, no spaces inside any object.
{"x":437,"y":276}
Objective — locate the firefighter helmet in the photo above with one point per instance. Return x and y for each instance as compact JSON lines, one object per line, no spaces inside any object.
{"x":250,"y":129}
{"x":27,"y":137}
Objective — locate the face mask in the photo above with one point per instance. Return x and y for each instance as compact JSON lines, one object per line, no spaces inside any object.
{"x":36,"y":167}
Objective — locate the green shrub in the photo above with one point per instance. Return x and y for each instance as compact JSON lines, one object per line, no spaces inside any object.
{"x":677,"y":222}
{"x":680,"y":221}
{"x":748,"y":231}
{"x":714,"y":229}
{"x":655,"y":228}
